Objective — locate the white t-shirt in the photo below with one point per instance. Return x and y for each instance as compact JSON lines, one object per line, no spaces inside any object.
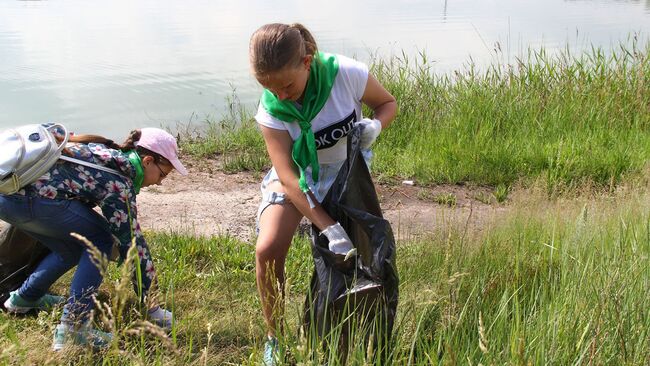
{"x":335,"y":120}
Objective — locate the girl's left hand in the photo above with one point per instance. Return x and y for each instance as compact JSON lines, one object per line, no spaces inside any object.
{"x":370,"y":131}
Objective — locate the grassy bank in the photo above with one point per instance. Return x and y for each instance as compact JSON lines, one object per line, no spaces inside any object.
{"x":563,"y":120}
{"x":567,"y":284}
{"x":561,"y":281}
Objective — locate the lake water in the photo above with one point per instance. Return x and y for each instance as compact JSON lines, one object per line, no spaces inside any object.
{"x":110,"y":66}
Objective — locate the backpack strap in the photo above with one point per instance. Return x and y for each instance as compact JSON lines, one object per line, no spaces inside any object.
{"x":91,"y":165}
{"x":51,"y":127}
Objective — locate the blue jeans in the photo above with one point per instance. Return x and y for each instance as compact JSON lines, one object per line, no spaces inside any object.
{"x":51,"y":222}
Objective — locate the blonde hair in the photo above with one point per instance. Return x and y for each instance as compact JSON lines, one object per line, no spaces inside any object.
{"x":276,"y":46}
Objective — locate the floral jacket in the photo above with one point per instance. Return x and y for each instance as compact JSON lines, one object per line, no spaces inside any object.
{"x":114,"y":195}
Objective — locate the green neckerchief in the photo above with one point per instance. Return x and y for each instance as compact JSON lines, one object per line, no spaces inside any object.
{"x":322,"y":73}
{"x":135,"y":160}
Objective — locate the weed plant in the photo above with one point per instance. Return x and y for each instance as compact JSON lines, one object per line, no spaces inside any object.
{"x":565,"y":119}
{"x":568,"y":120}
{"x":551,"y":283}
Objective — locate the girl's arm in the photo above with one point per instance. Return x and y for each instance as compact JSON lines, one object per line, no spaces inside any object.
{"x":381,"y":102}
{"x":120,"y":210}
{"x":278,"y":145}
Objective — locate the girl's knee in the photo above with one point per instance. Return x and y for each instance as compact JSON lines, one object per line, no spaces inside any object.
{"x":70,"y":258}
{"x":102,"y":240}
{"x":270,"y":250}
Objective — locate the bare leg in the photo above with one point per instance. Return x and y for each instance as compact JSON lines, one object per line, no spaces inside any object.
{"x":277,"y":225}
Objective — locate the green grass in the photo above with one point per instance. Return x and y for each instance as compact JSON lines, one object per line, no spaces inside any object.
{"x":447,"y":199}
{"x":501,"y":192}
{"x":566,"y":120}
{"x":553,"y":282}
{"x":235,"y":139}
{"x":566,"y":289}
{"x":562,"y":285}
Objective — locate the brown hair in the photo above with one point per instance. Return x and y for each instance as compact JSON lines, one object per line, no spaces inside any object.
{"x":275,"y":46}
{"x":128,"y":145}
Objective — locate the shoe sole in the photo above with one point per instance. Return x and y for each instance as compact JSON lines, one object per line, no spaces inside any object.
{"x":59,"y":347}
{"x":16,"y":309}
{"x":69,"y":341}
{"x":23,"y":310}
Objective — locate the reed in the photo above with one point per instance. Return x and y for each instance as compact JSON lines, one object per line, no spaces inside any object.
{"x":552,"y":282}
{"x":565,"y":121}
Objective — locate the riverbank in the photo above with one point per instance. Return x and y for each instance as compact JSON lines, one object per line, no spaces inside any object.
{"x":484,"y":291}
{"x":566,"y":122}
{"x":524,"y":239}
{"x":211,"y":202}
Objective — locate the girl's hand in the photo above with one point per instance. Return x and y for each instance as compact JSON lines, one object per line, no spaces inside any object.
{"x":339,"y":241}
{"x":369,"y":132}
{"x":161,"y":317}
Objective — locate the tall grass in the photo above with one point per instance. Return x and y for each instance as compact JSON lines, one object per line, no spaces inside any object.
{"x":568,"y":120}
{"x":566,"y":286}
{"x":565,"y":120}
{"x":552,"y":283}
{"x":234,"y":138}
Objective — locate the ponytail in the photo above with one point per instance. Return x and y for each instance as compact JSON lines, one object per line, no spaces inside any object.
{"x":127,"y":145}
{"x":86,"y":139}
{"x":130,"y":142}
{"x":309,"y":42}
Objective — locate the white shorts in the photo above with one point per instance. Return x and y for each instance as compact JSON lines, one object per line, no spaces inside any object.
{"x":326,"y":176}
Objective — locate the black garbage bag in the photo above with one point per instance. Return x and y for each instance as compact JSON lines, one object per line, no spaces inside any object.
{"x":361,"y":290}
{"x":19,"y":256}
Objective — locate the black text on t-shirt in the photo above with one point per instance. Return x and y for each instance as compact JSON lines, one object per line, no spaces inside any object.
{"x":330,"y":135}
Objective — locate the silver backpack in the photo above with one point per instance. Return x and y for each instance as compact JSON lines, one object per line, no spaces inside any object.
{"x":28,"y":152}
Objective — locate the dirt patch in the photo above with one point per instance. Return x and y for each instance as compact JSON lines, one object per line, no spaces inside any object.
{"x":210,"y":202}
{"x":415,"y":211}
{"x":205,"y":202}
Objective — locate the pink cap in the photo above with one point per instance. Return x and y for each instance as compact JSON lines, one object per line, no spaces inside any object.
{"x":162,"y":143}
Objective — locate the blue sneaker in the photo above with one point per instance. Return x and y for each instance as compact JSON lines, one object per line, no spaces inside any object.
{"x":80,"y":336}
{"x":18,"y":305}
{"x":270,"y":352}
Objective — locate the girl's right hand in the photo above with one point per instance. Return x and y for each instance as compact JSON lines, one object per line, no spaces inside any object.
{"x":161,"y":317}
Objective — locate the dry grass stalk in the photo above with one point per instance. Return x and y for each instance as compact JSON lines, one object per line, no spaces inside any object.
{"x":110,"y":316}
{"x":105,"y":314}
{"x":456,"y":276}
{"x":482,"y":339}
{"x":204,"y":352}
{"x":6,"y":351}
{"x":99,"y":259}
{"x":144,"y":327}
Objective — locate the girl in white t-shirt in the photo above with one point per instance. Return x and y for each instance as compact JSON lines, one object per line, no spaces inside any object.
{"x":310,"y":103}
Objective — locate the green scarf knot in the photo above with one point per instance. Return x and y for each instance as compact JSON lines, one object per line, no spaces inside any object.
{"x":136,"y":161}
{"x":322,"y":74}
